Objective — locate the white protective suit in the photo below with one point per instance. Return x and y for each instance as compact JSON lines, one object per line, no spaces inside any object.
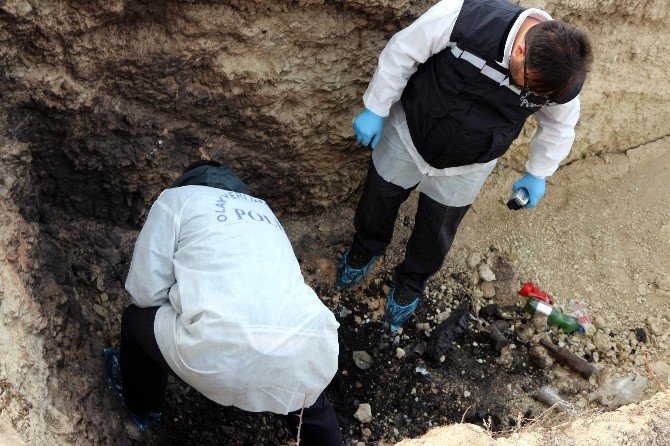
{"x":236,"y":319}
{"x":397,"y":159}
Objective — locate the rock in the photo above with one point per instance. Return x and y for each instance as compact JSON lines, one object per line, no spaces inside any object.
{"x":602,"y":342}
{"x":485,"y":273}
{"x":662,"y":371}
{"x":473,"y":260}
{"x":539,"y":322}
{"x":466,"y":394}
{"x":642,"y":289}
{"x":364,"y":413}
{"x":400,"y":353}
{"x":366,"y":432}
{"x":488,"y":290}
{"x":541,"y":357}
{"x":599,"y":322}
{"x":423,"y":326}
{"x":362,"y":359}
{"x":374,"y":304}
{"x":441,"y":317}
{"x":655,"y":328}
{"x":662,"y":282}
{"x":100,"y":310}
{"x":386,"y":289}
{"x":421,"y":370}
{"x":506,"y":358}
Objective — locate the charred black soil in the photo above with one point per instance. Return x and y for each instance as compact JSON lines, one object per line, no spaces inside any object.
{"x":408,"y":395}
{"x":409,"y":390}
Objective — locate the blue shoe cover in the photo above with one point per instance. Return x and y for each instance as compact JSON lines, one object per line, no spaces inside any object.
{"x":142,"y":420}
{"x":348,"y":276}
{"x":397,"y":315}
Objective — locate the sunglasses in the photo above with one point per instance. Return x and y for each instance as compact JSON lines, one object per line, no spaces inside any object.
{"x":539,"y":99}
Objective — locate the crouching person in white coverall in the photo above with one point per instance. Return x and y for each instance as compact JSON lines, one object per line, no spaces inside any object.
{"x":219,"y":300}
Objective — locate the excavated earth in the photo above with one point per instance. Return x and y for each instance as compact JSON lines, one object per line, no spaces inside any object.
{"x":104,"y":103}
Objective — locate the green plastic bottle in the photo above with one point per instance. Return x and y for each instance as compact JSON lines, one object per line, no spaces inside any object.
{"x":555,"y":317}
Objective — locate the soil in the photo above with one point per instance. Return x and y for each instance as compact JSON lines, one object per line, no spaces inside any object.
{"x":104,"y":103}
{"x":473,"y":383}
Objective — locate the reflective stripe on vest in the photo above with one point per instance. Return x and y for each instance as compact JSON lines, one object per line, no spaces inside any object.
{"x":486,"y":70}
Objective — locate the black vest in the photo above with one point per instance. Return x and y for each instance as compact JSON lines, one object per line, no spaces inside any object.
{"x":456,"y":115}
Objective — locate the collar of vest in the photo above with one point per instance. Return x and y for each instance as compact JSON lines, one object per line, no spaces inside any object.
{"x":482,"y":27}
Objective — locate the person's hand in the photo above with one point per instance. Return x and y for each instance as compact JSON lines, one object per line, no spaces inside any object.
{"x":535,"y":187}
{"x":368,"y":128}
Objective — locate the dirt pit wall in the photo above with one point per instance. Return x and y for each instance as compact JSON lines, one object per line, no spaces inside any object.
{"x":116,"y":97}
{"x":104,"y":102}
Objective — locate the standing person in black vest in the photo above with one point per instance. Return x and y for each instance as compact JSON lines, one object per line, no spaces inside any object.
{"x":450,"y":94}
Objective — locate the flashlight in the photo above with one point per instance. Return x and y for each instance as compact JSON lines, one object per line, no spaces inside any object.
{"x":518,"y":199}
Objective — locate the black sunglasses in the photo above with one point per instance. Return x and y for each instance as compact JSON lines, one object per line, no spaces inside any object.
{"x":525,"y":91}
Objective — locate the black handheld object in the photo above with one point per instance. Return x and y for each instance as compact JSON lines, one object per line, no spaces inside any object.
{"x":518,"y":199}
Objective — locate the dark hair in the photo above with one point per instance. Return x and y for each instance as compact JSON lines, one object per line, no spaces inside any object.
{"x":558,"y":58}
{"x":199,"y":163}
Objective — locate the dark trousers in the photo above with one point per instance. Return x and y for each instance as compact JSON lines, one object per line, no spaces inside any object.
{"x":434,"y":230}
{"x":145,"y":376}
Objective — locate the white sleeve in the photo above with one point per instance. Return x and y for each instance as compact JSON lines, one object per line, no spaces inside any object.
{"x":151,"y":272}
{"x":554,"y":137}
{"x":408,"y":48}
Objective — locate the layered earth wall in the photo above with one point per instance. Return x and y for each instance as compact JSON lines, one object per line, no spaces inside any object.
{"x":103,"y":103}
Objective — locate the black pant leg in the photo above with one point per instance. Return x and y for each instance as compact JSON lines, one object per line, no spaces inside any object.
{"x":376,"y":213}
{"x":319,"y":424}
{"x":434,"y":231}
{"x":143,"y":368}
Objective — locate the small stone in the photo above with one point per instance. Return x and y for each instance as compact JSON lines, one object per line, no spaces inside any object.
{"x":424,"y":326}
{"x":599,"y":322}
{"x":441,"y":317}
{"x":485,"y":273}
{"x":663,"y":282}
{"x":539,"y":322}
{"x":362,"y":359}
{"x":488,"y":290}
{"x":662,"y":370}
{"x":396,"y":432}
{"x":363,"y":413}
{"x":541,"y":357}
{"x":100,"y":283}
{"x":366,"y":432}
{"x":473,"y":260}
{"x":400,"y":353}
{"x":466,"y":394}
{"x":100,"y":310}
{"x":654,"y":328}
{"x":602,"y":342}
{"x":386,"y":289}
{"x":642,"y":289}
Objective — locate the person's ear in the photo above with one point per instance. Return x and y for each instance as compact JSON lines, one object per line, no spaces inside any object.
{"x":519,"y":50}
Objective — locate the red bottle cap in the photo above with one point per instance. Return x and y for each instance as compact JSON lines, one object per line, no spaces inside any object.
{"x":530,"y":290}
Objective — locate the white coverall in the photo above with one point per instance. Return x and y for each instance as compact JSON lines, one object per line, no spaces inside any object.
{"x":236,"y":319}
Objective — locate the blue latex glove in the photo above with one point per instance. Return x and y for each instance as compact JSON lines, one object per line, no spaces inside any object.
{"x":535,"y":187}
{"x":368,"y":128}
